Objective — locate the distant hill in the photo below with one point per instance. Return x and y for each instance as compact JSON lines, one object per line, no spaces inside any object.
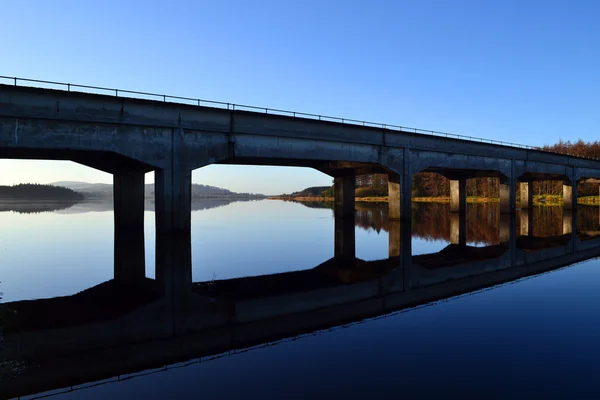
{"x":313,"y":191}
{"x":100,"y":190}
{"x":37,"y":192}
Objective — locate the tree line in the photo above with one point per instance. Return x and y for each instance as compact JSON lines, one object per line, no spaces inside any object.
{"x":34,"y":191}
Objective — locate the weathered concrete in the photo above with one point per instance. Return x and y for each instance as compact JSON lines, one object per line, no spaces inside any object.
{"x":344,"y":187}
{"x":568,"y":197}
{"x":507,"y":195}
{"x":526,"y":195}
{"x":458,"y":195}
{"x":394,"y":196}
{"x":128,"y":198}
{"x":398,"y":164}
{"x":121,"y":135}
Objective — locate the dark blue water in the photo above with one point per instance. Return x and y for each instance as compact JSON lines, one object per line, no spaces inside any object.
{"x":535,"y":337}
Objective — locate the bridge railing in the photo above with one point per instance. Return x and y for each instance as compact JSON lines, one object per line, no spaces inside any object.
{"x":70,"y":87}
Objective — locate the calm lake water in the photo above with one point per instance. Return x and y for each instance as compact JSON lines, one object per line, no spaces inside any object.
{"x":536,"y":336}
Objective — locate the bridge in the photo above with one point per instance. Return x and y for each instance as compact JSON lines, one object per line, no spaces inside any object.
{"x":128,"y":134}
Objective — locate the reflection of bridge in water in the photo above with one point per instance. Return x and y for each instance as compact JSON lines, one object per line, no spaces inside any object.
{"x":132,"y":323}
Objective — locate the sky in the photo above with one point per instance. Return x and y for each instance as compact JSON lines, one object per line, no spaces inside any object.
{"x":519,"y":71}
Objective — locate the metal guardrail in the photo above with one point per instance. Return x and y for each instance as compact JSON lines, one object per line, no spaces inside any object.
{"x":70,"y":87}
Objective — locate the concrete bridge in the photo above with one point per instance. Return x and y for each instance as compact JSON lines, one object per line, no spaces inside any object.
{"x":129,"y":137}
{"x":119,"y":328}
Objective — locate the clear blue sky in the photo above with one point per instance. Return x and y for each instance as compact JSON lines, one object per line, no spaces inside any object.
{"x":521,"y":71}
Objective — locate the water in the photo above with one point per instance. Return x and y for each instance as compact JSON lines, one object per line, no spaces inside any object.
{"x":535,"y":336}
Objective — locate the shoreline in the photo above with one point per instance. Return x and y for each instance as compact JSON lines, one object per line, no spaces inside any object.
{"x":538,"y":200}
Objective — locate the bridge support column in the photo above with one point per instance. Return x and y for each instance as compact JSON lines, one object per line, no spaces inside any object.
{"x":508,"y":188}
{"x":345,"y":239}
{"x":458,"y":229}
{"x":172,"y":189}
{"x":344,"y":187}
{"x":458,"y":195}
{"x":394,"y":196}
{"x":526,"y":194}
{"x":128,"y":199}
{"x":400,"y":188}
{"x":569,"y":196}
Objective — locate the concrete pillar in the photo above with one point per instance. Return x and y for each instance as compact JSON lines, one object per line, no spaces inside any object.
{"x":345,"y":239}
{"x":344,"y":196}
{"x":458,"y":229}
{"x":172,"y":191}
{"x":458,"y":195}
{"x":400,"y":188}
{"x":526,"y":196}
{"x":394,"y":196}
{"x":508,"y":191}
{"x":569,"y":196}
{"x":507,"y":196}
{"x":128,"y":199}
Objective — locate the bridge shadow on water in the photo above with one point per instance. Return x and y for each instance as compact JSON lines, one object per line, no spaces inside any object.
{"x":132,"y":323}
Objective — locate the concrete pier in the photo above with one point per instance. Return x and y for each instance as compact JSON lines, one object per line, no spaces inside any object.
{"x":569,"y":196}
{"x":507,"y":195}
{"x":458,"y":195}
{"x":344,"y":187}
{"x":400,"y":187}
{"x":129,"y":254}
{"x":526,"y":195}
{"x":394,"y":196}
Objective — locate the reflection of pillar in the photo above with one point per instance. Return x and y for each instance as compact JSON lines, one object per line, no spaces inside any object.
{"x":172,"y":191}
{"x":567,"y":222}
{"x":174,"y":273}
{"x":504,"y":228}
{"x":128,"y":199}
{"x":458,"y":195}
{"x":344,"y":196}
{"x":526,"y":194}
{"x":394,"y":239}
{"x":345,"y":244}
{"x":526,"y":222}
{"x":406,"y":252}
{"x":567,"y":196}
{"x":458,"y":229}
